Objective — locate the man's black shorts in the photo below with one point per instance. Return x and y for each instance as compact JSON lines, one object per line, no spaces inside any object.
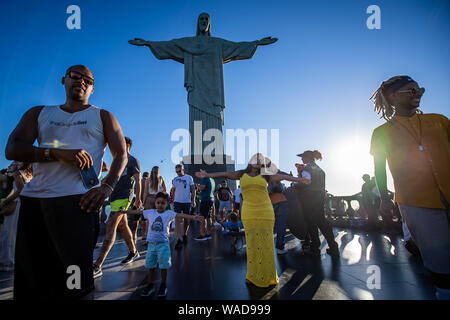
{"x":182,"y":207}
{"x":54,"y":249}
{"x":205,"y":207}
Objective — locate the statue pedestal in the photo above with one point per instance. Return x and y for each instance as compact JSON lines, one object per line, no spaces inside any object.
{"x":190,"y":167}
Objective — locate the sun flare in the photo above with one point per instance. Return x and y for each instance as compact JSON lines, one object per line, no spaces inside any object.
{"x":352,"y":160}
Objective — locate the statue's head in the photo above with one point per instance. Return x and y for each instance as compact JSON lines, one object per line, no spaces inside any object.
{"x":204,"y":24}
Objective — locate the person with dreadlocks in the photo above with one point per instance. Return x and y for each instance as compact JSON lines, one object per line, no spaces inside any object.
{"x":417,"y":149}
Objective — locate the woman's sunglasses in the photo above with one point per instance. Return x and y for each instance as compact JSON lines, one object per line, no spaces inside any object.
{"x":74,"y":75}
{"x":414,"y":91}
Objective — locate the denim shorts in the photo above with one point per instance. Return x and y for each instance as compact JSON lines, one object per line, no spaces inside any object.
{"x":158,"y":253}
{"x":225,"y":204}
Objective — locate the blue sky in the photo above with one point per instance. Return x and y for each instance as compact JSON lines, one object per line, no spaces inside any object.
{"x":313,"y":84}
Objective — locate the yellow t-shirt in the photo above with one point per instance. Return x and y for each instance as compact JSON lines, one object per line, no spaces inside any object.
{"x":419,"y":175}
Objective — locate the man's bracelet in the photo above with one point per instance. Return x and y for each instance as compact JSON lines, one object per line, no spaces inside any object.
{"x":109,"y":187}
{"x":47,"y":155}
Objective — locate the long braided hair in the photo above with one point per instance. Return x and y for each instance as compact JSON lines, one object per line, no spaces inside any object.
{"x":381,"y":103}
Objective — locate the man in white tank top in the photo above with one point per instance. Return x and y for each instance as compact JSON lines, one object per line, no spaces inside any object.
{"x":57,"y":214}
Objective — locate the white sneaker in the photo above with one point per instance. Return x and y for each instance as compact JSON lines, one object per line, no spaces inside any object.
{"x":281,"y":251}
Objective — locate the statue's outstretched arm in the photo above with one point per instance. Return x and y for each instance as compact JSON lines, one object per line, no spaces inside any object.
{"x":138,"y":42}
{"x":265,"y":41}
{"x":161,"y":49}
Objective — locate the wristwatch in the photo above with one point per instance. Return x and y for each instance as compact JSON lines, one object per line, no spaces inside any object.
{"x":47,"y":155}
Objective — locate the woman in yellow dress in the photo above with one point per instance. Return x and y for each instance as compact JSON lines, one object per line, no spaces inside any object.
{"x":257,"y":215}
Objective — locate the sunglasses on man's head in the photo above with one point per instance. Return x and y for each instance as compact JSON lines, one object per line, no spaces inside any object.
{"x":75,"y":75}
{"x":414,"y":91}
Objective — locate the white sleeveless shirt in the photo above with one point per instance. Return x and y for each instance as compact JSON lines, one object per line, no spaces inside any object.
{"x":154,"y":192}
{"x":60,"y":129}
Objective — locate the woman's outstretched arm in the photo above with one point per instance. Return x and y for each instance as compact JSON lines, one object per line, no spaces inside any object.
{"x":233,"y":175}
{"x":279,"y":177}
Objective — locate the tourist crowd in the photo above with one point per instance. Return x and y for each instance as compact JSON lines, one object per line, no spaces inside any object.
{"x":52,"y":196}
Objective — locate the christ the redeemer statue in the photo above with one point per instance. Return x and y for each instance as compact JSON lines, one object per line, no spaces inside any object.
{"x":203,"y":57}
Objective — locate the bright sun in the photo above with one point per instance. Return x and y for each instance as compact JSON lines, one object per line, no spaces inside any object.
{"x":350,"y":160}
{"x":353,"y":157}
{"x":347,"y":162}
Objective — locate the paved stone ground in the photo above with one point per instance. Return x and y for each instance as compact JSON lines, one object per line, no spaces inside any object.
{"x":211,"y":270}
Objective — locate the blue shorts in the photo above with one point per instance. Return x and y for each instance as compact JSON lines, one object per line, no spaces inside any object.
{"x":225,"y":204}
{"x":158,"y":253}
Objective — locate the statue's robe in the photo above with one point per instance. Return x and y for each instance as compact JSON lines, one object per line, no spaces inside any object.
{"x":203,"y":58}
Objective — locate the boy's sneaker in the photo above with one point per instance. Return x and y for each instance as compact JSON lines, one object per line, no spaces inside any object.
{"x":149,"y":289}
{"x":201,"y":238}
{"x":97,"y":271}
{"x":179,"y":244}
{"x":162,"y":292}
{"x":131,"y":257}
{"x":281,"y":251}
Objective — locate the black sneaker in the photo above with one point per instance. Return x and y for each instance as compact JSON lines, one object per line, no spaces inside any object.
{"x":185,"y":239}
{"x":312,"y":252}
{"x":306,"y":247}
{"x":179,"y":244}
{"x":149,"y":289}
{"x":201,"y":238}
{"x":162,"y":292}
{"x":131,"y":257}
{"x":412,"y":248}
{"x":97,"y":271}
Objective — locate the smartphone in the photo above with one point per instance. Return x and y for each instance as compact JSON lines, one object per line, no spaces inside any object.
{"x":89,"y":177}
